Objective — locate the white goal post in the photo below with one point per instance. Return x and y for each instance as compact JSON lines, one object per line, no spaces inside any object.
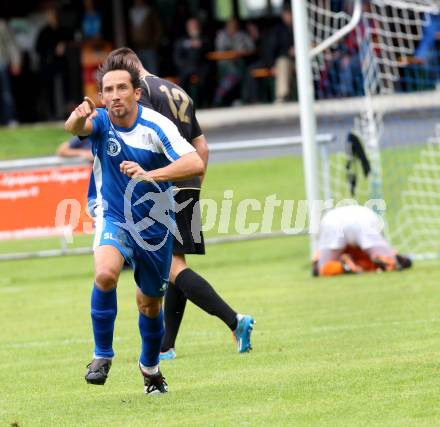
{"x":395,"y":107}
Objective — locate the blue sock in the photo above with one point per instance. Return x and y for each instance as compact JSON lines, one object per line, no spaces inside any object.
{"x":152,"y":332}
{"x":104,"y":309}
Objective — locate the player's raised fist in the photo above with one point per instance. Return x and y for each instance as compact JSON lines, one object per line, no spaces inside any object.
{"x":90,"y":102}
{"x":86,"y":109}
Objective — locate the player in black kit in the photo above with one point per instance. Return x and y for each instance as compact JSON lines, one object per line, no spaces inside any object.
{"x":174,"y":103}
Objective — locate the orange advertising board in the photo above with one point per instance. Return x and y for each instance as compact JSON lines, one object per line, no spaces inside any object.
{"x":44,"y":202}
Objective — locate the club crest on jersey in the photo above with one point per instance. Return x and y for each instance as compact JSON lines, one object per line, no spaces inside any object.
{"x":114,"y":146}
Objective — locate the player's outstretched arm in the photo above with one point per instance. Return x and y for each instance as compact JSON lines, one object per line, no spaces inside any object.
{"x":187,"y":166}
{"x":79,"y":122}
{"x":65,"y":150}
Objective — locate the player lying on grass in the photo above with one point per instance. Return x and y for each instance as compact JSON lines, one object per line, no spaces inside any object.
{"x":351,"y":241}
{"x":138,"y":152}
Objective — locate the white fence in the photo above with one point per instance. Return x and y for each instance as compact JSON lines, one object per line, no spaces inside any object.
{"x":323,"y":140}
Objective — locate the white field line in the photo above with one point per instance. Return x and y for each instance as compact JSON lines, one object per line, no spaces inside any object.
{"x":314,"y":329}
{"x":373,"y":325}
{"x":54,"y":343}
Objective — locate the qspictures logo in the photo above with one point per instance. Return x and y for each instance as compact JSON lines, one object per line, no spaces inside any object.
{"x":162,"y":206}
{"x":229,"y":215}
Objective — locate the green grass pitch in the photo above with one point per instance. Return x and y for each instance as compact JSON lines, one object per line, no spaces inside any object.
{"x":356,"y":350}
{"x":31,"y":141}
{"x":348,"y":351}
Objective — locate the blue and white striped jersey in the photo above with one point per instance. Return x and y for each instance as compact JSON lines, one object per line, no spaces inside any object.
{"x":153,"y":142}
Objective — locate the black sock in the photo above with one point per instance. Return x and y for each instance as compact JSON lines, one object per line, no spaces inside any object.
{"x":201,"y":293}
{"x":175,"y":302}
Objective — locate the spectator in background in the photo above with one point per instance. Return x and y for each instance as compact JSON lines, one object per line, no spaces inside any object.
{"x":431,"y":36}
{"x":76,"y":147}
{"x":253,"y":32}
{"x":349,"y":73}
{"x":284,"y":52}
{"x":340,"y":73}
{"x":425,"y":60}
{"x":231,"y":71}
{"x":146,"y":33}
{"x":190,"y":59}
{"x":340,"y":78}
{"x":10,"y":62}
{"x":91,"y":25}
{"x":347,"y":61}
{"x":51,"y":47}
{"x":264,"y":60}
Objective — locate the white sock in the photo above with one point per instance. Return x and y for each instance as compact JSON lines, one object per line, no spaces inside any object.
{"x":149,"y":370}
{"x":101,"y":357}
{"x":238,"y":317}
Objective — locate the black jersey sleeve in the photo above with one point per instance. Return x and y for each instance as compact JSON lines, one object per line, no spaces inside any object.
{"x":196,"y":131}
{"x":173,"y":102}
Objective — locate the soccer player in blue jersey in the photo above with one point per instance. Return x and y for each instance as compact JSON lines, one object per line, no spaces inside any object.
{"x":138,"y":152}
{"x":173,"y":102}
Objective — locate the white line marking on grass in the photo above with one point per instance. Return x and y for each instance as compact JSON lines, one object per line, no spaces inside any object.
{"x":11,"y":290}
{"x":37,"y":344}
{"x":373,"y":325}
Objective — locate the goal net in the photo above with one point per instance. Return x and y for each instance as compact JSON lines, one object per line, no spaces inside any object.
{"x":377,"y":89}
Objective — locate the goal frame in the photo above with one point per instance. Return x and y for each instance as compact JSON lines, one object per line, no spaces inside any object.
{"x":306,"y":98}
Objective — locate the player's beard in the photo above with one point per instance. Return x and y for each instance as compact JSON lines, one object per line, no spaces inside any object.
{"x":120,"y":112}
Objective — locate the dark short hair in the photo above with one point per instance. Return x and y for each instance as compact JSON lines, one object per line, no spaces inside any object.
{"x":114,"y":63}
{"x":125,"y":52}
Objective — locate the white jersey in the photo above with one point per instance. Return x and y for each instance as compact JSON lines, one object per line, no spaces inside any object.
{"x":351,"y":225}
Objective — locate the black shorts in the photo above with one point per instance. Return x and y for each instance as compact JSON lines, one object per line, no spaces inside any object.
{"x":189,"y":224}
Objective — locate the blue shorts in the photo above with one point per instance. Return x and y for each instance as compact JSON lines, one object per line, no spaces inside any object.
{"x":151,"y":262}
